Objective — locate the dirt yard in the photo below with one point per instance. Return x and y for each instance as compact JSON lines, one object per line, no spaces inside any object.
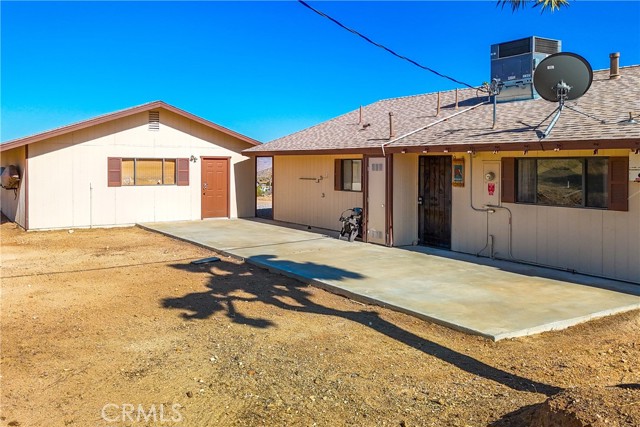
{"x":114,"y":327}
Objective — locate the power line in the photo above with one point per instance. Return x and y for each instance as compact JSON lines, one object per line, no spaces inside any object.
{"x":351,"y":30}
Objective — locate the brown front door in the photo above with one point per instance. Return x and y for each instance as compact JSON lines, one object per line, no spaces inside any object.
{"x":435,"y":201}
{"x":215,"y":188}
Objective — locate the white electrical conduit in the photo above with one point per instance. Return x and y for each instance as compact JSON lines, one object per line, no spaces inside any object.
{"x":481,"y":210}
{"x":431,"y":124}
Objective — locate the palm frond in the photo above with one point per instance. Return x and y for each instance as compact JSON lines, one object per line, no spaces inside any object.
{"x":552,"y":5}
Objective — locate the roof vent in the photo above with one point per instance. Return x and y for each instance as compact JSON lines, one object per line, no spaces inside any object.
{"x":513,"y":64}
{"x":154,"y":120}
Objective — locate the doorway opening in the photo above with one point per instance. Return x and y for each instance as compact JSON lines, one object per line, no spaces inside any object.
{"x":264,"y":187}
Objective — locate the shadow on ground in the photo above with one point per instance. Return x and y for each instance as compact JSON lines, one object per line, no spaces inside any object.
{"x":222,"y":296}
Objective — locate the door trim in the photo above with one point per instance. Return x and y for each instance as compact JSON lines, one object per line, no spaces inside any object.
{"x":228,"y":159}
{"x":388,"y":198}
{"x":273,"y":186}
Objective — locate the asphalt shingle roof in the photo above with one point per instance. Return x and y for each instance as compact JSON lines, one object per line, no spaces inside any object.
{"x":607,"y":100}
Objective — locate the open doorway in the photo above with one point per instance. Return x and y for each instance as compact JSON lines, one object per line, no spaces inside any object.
{"x":264,"y":187}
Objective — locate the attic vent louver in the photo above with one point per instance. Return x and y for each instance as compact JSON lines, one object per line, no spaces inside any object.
{"x":154,"y":120}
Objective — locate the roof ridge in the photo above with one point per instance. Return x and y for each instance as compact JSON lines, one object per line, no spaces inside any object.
{"x":103,"y":118}
{"x":621,"y":67}
{"x":363,"y":106}
{"x":420,"y":94}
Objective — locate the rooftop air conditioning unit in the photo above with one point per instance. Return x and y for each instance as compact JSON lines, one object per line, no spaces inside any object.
{"x":513,"y":64}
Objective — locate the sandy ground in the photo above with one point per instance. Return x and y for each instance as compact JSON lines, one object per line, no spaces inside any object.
{"x":115,"y":327}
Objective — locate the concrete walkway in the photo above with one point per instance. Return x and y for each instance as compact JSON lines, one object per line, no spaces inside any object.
{"x":491,"y":298}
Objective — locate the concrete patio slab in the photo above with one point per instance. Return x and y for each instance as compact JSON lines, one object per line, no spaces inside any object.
{"x":495,"y":299}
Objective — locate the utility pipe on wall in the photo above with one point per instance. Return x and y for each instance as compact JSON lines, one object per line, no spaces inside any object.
{"x":487,"y":211}
{"x":90,"y":206}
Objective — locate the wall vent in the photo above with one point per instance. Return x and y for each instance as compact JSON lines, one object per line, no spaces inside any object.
{"x":154,"y":120}
{"x":377,"y":167}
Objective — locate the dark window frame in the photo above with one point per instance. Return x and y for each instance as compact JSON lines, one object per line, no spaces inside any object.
{"x":180,"y":173}
{"x":339,"y":178}
{"x":615,"y":188}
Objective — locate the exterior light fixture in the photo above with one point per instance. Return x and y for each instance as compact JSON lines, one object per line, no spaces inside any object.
{"x":193,"y":158}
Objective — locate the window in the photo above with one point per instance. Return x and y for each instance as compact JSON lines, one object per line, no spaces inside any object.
{"x":146,"y":172}
{"x":348,"y":175}
{"x":590,"y":182}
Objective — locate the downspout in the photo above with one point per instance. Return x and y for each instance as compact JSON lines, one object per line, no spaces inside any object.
{"x":26,"y":187}
{"x":389,"y":199}
{"x":90,"y":206}
{"x":430,"y":125}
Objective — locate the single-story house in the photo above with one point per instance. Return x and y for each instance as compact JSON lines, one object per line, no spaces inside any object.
{"x":153,"y":162}
{"x":435,"y":170}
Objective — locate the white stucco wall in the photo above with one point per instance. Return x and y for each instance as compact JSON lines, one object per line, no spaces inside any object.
{"x":305,"y":201}
{"x":12,"y":205}
{"x":68,"y":174}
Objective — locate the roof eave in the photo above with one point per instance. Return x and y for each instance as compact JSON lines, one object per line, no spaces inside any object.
{"x":117,"y":115}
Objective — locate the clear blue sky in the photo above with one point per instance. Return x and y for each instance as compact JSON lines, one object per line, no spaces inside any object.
{"x":266,"y":69}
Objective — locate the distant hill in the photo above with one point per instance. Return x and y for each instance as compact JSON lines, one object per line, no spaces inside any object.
{"x":265,"y":175}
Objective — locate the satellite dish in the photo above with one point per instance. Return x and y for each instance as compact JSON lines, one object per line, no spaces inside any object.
{"x":562,"y":77}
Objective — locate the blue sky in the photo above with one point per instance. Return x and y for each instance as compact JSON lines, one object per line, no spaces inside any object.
{"x":266,"y":69}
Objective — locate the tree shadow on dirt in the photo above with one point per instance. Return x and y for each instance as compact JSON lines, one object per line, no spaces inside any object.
{"x":223,"y":294}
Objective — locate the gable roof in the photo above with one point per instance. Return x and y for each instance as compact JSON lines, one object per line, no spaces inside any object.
{"x":117,"y":115}
{"x":469,"y":126}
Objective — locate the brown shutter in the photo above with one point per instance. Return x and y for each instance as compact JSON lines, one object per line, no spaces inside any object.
{"x":509,"y":179}
{"x":183,"y":171}
{"x":114,"y":172}
{"x":619,"y":183}
{"x":337,"y":175}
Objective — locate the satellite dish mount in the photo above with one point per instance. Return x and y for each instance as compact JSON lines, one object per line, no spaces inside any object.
{"x":559,"y":78}
{"x":562,"y":92}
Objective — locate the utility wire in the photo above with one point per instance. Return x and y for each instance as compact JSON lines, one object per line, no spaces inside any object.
{"x":351,"y":30}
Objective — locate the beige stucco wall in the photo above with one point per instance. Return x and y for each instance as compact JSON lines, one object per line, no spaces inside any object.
{"x":68,"y":174}
{"x":305,"y":201}
{"x":592,"y":241}
{"x":14,"y":207}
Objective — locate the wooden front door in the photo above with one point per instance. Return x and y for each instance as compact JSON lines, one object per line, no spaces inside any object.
{"x":215,"y":188}
{"x":435,"y":201}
